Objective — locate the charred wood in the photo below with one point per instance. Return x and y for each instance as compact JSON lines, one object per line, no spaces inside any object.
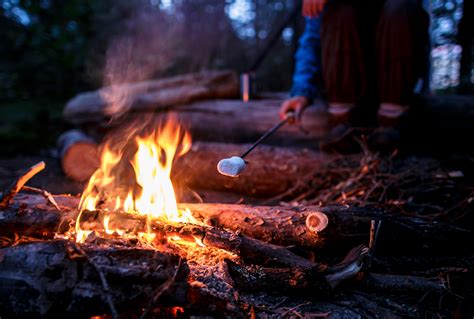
{"x":403,"y":283}
{"x":303,"y":281}
{"x":47,"y":279}
{"x":343,"y":228}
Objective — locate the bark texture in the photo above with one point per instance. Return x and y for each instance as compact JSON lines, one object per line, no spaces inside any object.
{"x":49,"y":279}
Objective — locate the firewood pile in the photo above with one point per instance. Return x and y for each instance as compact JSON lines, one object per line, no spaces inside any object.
{"x":313,"y":254}
{"x":327,"y":236}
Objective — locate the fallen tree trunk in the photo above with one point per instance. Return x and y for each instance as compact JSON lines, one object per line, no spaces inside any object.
{"x":102,"y":105}
{"x":230,"y":121}
{"x":58,"y":278}
{"x":346,"y":227}
{"x":286,"y":226}
{"x":271,"y":170}
{"x":234,"y":121}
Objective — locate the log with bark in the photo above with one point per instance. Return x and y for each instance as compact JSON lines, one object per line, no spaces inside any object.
{"x":346,"y":227}
{"x":234,"y":121}
{"x":303,"y":281}
{"x":287,"y":226}
{"x":113,"y":101}
{"x":58,"y":278}
{"x":271,"y":170}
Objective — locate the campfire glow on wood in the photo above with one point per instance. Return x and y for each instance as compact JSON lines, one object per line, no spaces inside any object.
{"x":149,"y":192}
{"x":127,"y":247}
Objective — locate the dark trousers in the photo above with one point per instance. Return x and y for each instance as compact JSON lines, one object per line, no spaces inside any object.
{"x":373,"y":48}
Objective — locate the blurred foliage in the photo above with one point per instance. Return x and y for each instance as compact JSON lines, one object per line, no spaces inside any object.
{"x":28,"y":126}
{"x":56,"y":48}
{"x":44,"y":45}
{"x":52,"y":50}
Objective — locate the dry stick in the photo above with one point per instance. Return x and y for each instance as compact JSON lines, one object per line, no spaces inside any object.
{"x":103,"y":280}
{"x":18,"y":184}
{"x":295,"y":307}
{"x":374,"y":234}
{"x":49,"y":197}
{"x":161,"y":289}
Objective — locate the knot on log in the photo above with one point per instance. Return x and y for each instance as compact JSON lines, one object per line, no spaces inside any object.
{"x":316,"y":222}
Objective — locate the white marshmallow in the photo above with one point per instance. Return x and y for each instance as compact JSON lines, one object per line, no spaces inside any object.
{"x":231,"y":166}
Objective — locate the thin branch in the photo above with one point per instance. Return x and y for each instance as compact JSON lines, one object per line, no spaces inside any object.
{"x":49,"y":197}
{"x":105,"y":285}
{"x":162,"y":289}
{"x":18,"y":184}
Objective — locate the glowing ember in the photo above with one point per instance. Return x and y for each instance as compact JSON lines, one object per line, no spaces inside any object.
{"x":151,"y":192}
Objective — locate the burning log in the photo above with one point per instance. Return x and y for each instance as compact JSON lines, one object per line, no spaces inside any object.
{"x":285,"y":226}
{"x":57,"y":278}
{"x":298,"y":279}
{"x":101,"y":105}
{"x":271,"y":170}
{"x":254,"y":251}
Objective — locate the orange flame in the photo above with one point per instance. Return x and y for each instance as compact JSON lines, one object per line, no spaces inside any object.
{"x":152,"y":163}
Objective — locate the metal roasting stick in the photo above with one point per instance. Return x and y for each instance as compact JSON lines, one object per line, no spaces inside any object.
{"x":233,"y":166}
{"x":288,"y":117}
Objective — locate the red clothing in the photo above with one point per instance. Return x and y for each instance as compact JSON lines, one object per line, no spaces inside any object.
{"x":368,"y":50}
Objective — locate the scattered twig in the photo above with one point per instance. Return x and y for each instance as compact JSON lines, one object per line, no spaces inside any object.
{"x":374,"y":234}
{"x":49,"y":197}
{"x":103,"y":280}
{"x":162,"y":289}
{"x":18,"y":184}
{"x":293,"y":309}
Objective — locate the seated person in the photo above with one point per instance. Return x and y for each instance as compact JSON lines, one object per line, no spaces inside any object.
{"x":362,"y":53}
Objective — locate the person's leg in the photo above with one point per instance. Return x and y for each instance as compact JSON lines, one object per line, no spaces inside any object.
{"x":401,"y":43}
{"x":342,"y":59}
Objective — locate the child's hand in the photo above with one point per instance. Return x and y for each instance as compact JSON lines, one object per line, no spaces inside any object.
{"x":296,"y":104}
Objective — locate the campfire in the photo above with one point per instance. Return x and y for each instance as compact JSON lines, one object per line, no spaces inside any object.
{"x":126,"y":247}
{"x":148,"y":192}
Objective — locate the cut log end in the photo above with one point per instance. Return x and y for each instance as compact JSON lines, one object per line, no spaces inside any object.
{"x":316,"y":222}
{"x":79,"y":155}
{"x":80,"y":161}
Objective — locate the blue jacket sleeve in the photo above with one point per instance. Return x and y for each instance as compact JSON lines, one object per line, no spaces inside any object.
{"x":308,"y":62}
